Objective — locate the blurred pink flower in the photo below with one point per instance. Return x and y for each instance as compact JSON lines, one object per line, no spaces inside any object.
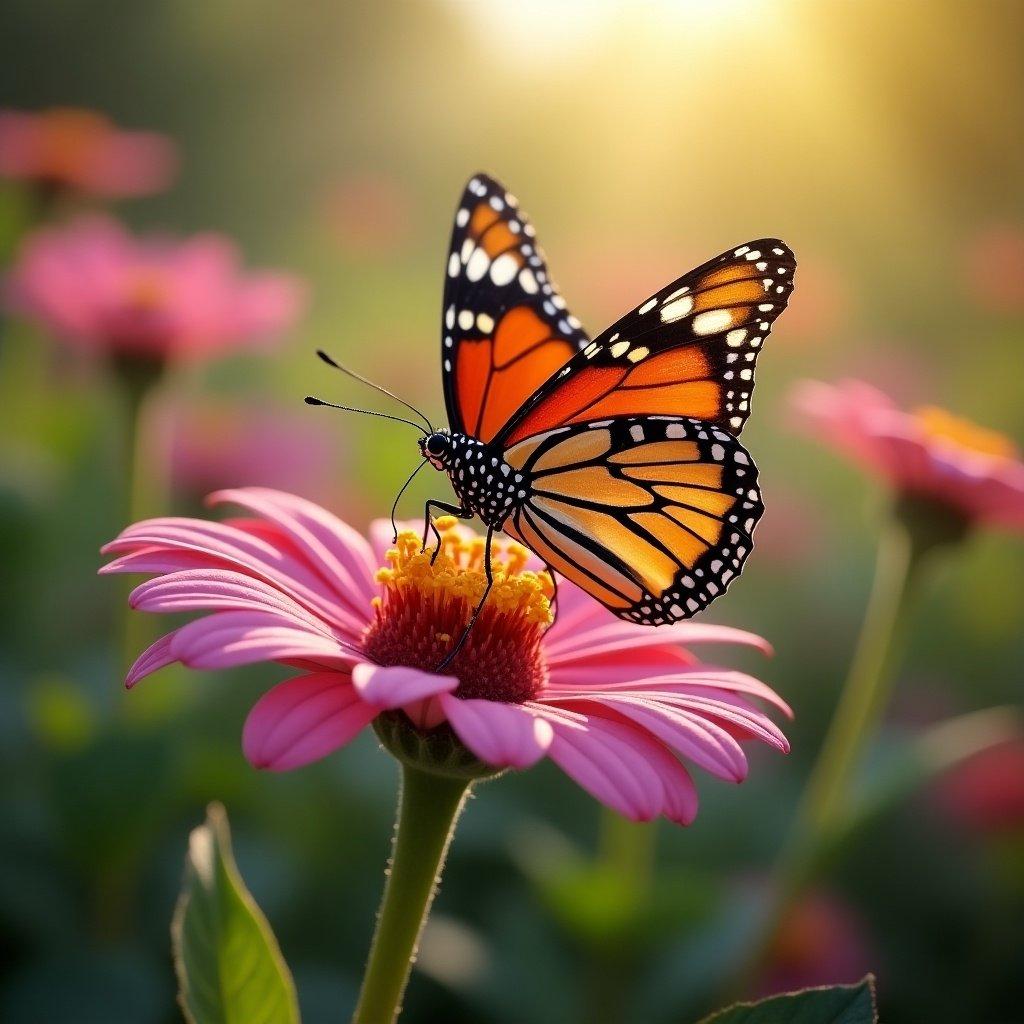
{"x":248,"y":445}
{"x":101,"y":290}
{"x":819,"y":942}
{"x":610,"y":702}
{"x":994,"y":268}
{"x":929,"y":452}
{"x":986,"y":792}
{"x":81,"y":150}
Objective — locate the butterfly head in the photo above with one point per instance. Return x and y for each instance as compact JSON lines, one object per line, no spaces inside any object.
{"x":436,"y":448}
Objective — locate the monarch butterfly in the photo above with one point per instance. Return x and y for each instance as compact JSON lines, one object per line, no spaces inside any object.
{"x":615,"y":460}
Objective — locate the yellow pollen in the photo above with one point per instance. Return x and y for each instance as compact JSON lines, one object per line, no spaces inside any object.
{"x":940,"y":425}
{"x":458,"y":572}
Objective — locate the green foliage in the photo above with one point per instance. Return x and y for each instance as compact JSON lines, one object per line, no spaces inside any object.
{"x":838,"y":1004}
{"x":230,"y":969}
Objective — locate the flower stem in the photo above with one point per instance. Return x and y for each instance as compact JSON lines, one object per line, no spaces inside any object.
{"x":141,"y":473}
{"x":429,"y":806}
{"x":915,"y":529}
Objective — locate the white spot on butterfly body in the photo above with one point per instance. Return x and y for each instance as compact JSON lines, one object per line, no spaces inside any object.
{"x":465,"y":319}
{"x":453,"y":265}
{"x":637,"y":432}
{"x":648,"y":306}
{"x":619,"y":348}
{"x":485,"y":323}
{"x":449,"y":317}
{"x":497,"y":203}
{"x":735,"y":338}
{"x":462,"y":217}
{"x":638,"y":353}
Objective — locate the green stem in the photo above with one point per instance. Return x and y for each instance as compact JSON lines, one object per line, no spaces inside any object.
{"x":917,"y":527}
{"x":627,"y":850}
{"x":429,"y":806}
{"x":141,"y":489}
{"x":866,"y":690}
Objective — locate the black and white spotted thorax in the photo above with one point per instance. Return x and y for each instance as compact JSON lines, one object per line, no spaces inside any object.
{"x":486,"y":485}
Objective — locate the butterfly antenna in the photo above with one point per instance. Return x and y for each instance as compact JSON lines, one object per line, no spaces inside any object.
{"x":334,"y":364}
{"x":310,"y":400}
{"x":394,"y":507}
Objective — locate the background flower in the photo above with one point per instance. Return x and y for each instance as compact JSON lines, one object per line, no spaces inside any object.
{"x":104,"y":291}
{"x":83,"y":151}
{"x":929,"y":452}
{"x":248,"y":444}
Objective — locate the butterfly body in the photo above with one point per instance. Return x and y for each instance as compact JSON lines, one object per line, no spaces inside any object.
{"x":616,"y":459}
{"x":486,"y":485}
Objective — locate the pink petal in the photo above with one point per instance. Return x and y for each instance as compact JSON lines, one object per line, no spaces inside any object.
{"x":504,"y":735}
{"x":157,"y":656}
{"x":694,"y":679}
{"x":618,"y":635}
{"x":343,"y":555}
{"x":398,"y":685}
{"x":231,"y":547}
{"x":228,"y":639}
{"x":703,"y":742}
{"x":610,"y":761}
{"x":619,"y":667}
{"x":221,"y":590}
{"x":303,"y":720}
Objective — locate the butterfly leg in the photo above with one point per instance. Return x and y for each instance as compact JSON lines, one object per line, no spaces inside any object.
{"x":476,"y":611}
{"x":554,"y":596}
{"x":428,"y":521}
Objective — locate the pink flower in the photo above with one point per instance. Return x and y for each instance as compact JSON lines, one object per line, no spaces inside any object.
{"x":99,"y":289}
{"x":928,"y":453}
{"x":248,"y":444}
{"x":610,"y":702}
{"x":83,"y":151}
{"x":986,"y":792}
{"x":819,"y":942}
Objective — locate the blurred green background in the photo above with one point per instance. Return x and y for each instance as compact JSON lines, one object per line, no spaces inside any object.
{"x":882,"y":141}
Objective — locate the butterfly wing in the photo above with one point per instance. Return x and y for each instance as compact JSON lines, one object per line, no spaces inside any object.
{"x":689,"y":350}
{"x":652,"y":516}
{"x":506,"y":330}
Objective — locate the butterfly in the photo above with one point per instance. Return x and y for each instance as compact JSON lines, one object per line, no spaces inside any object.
{"x":615,"y":460}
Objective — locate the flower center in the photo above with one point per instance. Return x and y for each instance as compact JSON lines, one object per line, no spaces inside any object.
{"x":940,"y":425}
{"x":427,"y":602}
{"x":69,"y":138}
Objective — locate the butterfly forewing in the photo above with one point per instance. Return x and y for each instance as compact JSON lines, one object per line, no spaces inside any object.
{"x":505,"y":329}
{"x":689,"y":350}
{"x":653,"y":516}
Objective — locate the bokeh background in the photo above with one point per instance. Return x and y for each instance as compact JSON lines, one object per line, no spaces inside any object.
{"x":881,"y":140}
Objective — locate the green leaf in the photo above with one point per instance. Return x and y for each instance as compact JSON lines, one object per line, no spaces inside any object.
{"x":230,"y":969}
{"x":838,"y":1004}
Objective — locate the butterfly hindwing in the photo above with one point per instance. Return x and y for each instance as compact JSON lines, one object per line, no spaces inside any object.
{"x":690,"y":349}
{"x":505,"y":328}
{"x":653,"y":516}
